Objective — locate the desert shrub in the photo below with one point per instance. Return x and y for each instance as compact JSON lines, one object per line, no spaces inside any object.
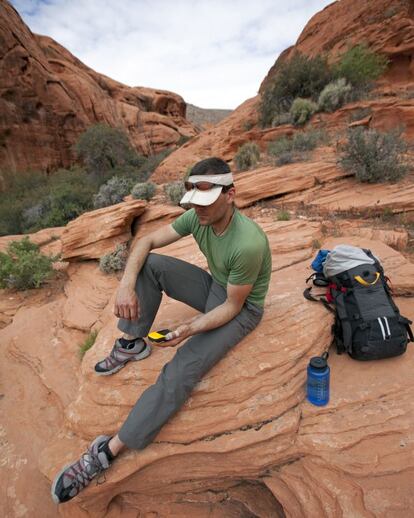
{"x":302,"y":110}
{"x":287,"y":150}
{"x":175,"y":191}
{"x":112,"y":192}
{"x":308,"y":140}
{"x":283,"y":215}
{"x":360,"y":66}
{"x":23,"y":266}
{"x":373,"y":156}
{"x":281,"y":118}
{"x":301,"y":76}
{"x":104,"y":149}
{"x":114,"y":261}
{"x":334,"y":95}
{"x":247,"y":156}
{"x":143,"y":191}
{"x":87,"y":343}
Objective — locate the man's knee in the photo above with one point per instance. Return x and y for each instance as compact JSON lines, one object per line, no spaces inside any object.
{"x":183,"y":372}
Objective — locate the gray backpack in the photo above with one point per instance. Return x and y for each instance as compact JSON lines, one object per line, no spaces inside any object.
{"x":368,"y":324}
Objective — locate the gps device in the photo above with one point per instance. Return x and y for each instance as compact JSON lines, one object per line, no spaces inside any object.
{"x":158,"y":336}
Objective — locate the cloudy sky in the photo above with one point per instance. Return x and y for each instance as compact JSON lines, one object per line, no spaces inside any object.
{"x":214,"y":53}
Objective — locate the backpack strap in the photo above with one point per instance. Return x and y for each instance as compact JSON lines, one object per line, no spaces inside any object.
{"x":308,"y":296}
{"x":343,"y":317}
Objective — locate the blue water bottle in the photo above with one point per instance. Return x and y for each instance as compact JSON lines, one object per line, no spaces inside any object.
{"x":317,"y":384}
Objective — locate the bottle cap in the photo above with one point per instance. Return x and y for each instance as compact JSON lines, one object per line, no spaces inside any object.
{"x":317,"y":362}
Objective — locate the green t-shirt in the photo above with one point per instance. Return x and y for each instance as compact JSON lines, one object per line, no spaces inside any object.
{"x":240,"y":256}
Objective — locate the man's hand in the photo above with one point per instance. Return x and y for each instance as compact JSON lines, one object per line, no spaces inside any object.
{"x":126,"y":304}
{"x":176,"y":337}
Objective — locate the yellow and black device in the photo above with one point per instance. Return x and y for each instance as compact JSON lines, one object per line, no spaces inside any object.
{"x":158,"y":336}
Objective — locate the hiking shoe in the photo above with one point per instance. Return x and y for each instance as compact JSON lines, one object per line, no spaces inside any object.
{"x":119,"y":356}
{"x":75,"y":477}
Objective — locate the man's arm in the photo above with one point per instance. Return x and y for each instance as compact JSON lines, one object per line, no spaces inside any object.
{"x":236,"y":297}
{"x":126,"y":302}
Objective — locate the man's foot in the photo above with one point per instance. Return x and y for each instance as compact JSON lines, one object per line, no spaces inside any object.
{"x":75,"y":477}
{"x":120,"y":355}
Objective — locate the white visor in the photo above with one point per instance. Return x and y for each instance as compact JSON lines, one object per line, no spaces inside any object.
{"x":206,"y":197}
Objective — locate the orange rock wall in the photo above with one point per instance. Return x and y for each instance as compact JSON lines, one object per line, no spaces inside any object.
{"x":48,"y":98}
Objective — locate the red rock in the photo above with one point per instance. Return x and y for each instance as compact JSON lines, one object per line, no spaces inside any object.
{"x":49,"y":97}
{"x":97,"y":233}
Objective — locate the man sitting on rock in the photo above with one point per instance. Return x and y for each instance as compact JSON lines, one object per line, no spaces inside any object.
{"x":230,"y":299}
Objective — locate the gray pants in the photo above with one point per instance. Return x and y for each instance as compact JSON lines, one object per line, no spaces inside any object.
{"x":195,"y":287}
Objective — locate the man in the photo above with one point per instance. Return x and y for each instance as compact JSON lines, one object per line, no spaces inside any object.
{"x":230,"y":301}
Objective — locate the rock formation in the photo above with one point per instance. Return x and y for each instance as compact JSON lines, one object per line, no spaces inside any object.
{"x":247,"y":442}
{"x":48,"y":98}
{"x":388,"y":27}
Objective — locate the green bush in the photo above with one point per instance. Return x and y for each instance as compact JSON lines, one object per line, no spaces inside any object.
{"x":247,"y":156}
{"x":288,"y":150}
{"x":301,"y":76}
{"x":88,"y":343}
{"x":23,"y":266}
{"x":360,"y":66}
{"x":104,"y":149}
{"x":283,"y":215}
{"x":175,"y":191}
{"x":334,"y":95}
{"x":112,"y":192}
{"x":114,"y":261}
{"x":143,"y":191}
{"x":302,"y":110}
{"x":373,"y":156}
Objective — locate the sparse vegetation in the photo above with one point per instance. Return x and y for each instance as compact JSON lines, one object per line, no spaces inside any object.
{"x":334,"y":95}
{"x":373,"y":156}
{"x":24,"y":267}
{"x":112,"y":192}
{"x":143,"y":191}
{"x":302,"y":110}
{"x":175,"y":191}
{"x":287,"y":150}
{"x":88,"y":343}
{"x":360,"y":66}
{"x":281,"y":118}
{"x":283,"y":215}
{"x":105,"y":151}
{"x":316,"y":244}
{"x":114,"y":261}
{"x":301,"y":76}
{"x":247,"y":156}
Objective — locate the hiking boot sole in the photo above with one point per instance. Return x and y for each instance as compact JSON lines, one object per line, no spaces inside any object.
{"x":55,"y":498}
{"x":143,"y":354}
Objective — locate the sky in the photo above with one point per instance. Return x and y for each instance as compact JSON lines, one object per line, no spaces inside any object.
{"x":214,"y":53}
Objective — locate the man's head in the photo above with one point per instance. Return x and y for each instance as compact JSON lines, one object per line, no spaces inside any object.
{"x":210,"y":190}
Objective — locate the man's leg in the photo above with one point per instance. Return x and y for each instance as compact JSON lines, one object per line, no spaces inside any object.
{"x":178,"y":377}
{"x":180,"y":280}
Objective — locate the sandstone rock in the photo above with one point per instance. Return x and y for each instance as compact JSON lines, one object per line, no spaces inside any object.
{"x":48,"y":98}
{"x":97,"y":233}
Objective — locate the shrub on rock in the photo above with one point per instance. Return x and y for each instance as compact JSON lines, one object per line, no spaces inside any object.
{"x":360,"y":66}
{"x":301,"y":76}
{"x":373,"y":156}
{"x":112,"y":192}
{"x":302,"y":110}
{"x":175,"y":191}
{"x":114,"y":261}
{"x":24,"y":267}
{"x":334,"y":95}
{"x":247,"y":156}
{"x":143,"y":191}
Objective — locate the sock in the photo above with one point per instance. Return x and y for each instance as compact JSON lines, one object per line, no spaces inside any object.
{"x":105,"y":448}
{"x":130,"y":344}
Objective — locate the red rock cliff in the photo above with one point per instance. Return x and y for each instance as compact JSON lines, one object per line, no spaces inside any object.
{"x":48,"y":98}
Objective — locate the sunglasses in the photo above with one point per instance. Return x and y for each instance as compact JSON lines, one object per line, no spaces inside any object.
{"x":200,"y":186}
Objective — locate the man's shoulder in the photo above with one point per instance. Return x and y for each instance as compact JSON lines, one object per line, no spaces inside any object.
{"x":246,"y":224}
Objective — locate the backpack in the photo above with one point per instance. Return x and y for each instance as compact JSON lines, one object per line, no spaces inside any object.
{"x":368,"y":324}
